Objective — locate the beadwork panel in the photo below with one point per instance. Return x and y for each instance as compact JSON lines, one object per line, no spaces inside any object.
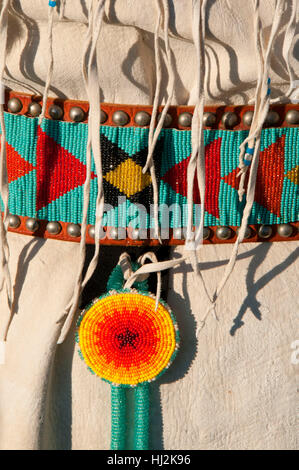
{"x":47,"y":169}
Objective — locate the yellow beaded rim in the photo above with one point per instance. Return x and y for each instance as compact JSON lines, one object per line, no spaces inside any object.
{"x":124,"y":340}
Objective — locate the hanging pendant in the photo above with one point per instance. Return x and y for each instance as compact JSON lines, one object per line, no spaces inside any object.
{"x":127,"y":342}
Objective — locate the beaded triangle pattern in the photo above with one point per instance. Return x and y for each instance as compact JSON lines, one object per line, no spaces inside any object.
{"x":47,"y":169}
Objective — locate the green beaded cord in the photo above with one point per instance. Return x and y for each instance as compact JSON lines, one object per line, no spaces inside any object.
{"x":141,"y":430}
{"x":118,"y":418}
{"x":118,"y":393}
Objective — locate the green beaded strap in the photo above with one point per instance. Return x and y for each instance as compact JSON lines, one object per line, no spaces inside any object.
{"x":127,"y":342}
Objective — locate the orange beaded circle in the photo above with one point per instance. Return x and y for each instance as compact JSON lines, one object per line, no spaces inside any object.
{"x":124,"y":340}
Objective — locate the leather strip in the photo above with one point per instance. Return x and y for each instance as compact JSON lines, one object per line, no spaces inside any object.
{"x":131,"y":110}
{"x":42,"y":232}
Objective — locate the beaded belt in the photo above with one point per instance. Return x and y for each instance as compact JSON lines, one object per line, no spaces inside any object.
{"x":46,"y":172}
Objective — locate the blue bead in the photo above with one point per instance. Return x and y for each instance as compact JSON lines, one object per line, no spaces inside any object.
{"x":250,"y":150}
{"x":52,"y":3}
{"x":269,"y":88}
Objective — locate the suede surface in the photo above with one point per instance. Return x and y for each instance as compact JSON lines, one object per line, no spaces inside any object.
{"x":232,"y":388}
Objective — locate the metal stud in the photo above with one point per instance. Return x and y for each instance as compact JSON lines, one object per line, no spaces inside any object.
{"x":206,"y":233}
{"x":248,"y":232}
{"x":142,"y":118}
{"x":73,"y":230}
{"x":14,"y":221}
{"x":185,"y":119}
{"x":34,"y":109}
{"x":77,"y":114}
{"x":167,"y":120}
{"x":103,"y":117}
{"x":120,"y":118}
{"x":91,"y":231}
{"x":223,"y":233}
{"x":247,"y":118}
{"x":53,"y":228}
{"x":265,"y":231}
{"x":272,"y":118}
{"x":209,"y":119}
{"x":14,"y":105}
{"x":55,"y":112}
{"x":229,"y":119}
{"x":32,"y":224}
{"x":178,"y":233}
{"x":113,"y":233}
{"x":292,"y":116}
{"x":135,"y":234}
{"x":285,"y":230}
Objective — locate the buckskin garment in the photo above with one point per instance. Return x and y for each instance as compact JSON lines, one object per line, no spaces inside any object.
{"x":234,"y":386}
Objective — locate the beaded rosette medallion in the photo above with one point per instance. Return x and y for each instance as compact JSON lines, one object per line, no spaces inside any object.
{"x":128,"y":342}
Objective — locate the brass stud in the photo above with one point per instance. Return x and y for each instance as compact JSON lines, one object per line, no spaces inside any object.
{"x":14,"y":221}
{"x":248,"y":232}
{"x":265,"y":231}
{"x":77,"y":114}
{"x":74,"y":230}
{"x":229,"y":120}
{"x":185,"y":119}
{"x":142,"y":118}
{"x":247,"y":118}
{"x":54,"y":228}
{"x":167,"y":120}
{"x":120,"y":118}
{"x":14,"y":105}
{"x":223,"y":233}
{"x":34,"y":109}
{"x":285,"y":230}
{"x":209,"y":119}
{"x":32,"y":224}
{"x":206,"y":233}
{"x":103,"y":117}
{"x":55,"y":112}
{"x":292,"y":117}
{"x":272,"y":118}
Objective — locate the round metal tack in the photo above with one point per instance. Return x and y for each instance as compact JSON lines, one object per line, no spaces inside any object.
{"x":113,"y":233}
{"x":248,"y":232}
{"x":120,"y":118}
{"x":185,"y":119}
{"x":272,"y":118}
{"x":247,"y":118}
{"x":142,"y":118}
{"x":14,"y":221}
{"x":103,"y":117}
{"x":223,"y":233}
{"x":77,"y":114}
{"x":73,"y":230}
{"x":54,"y":228}
{"x":34,"y":109}
{"x":55,"y":112}
{"x":209,"y":119}
{"x":265,"y":231}
{"x":14,"y":105}
{"x":206,"y":233}
{"x":285,"y":230}
{"x":32,"y":224}
{"x":229,"y":120}
{"x":167,"y":120}
{"x":178,"y":233}
{"x":292,"y":117}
